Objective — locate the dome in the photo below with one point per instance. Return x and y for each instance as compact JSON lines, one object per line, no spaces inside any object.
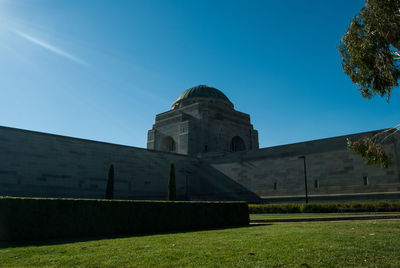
{"x":202,"y":91}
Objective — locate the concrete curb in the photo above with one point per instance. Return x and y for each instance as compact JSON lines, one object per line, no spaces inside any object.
{"x":350,"y":218}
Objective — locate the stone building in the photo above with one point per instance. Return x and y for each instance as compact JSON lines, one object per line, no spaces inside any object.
{"x":216,"y":155}
{"x":201,"y":120}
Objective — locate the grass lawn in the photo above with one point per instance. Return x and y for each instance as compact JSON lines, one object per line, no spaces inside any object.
{"x":317,"y":215}
{"x":311,"y":244}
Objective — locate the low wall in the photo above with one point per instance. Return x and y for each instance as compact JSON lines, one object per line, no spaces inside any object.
{"x":43,"y":218}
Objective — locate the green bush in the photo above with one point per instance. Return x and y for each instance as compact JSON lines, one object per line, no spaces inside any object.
{"x":275,"y":208}
{"x":375,"y":206}
{"x":110,"y":183}
{"x":319,"y":208}
{"x":171,"y":183}
{"x":45,"y":218}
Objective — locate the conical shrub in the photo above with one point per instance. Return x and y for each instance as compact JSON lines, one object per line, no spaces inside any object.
{"x":110,"y":183}
{"x":171,"y":183}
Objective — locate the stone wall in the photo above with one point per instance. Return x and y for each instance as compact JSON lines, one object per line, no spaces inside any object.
{"x":332,"y":170}
{"x":45,"y":165}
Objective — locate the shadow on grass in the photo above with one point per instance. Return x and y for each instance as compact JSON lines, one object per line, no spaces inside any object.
{"x":67,"y":240}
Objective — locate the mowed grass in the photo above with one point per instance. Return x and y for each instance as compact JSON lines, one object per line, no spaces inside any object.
{"x":310,"y":244}
{"x":318,"y":215}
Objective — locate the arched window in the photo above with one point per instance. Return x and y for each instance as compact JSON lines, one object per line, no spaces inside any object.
{"x":168,"y":144}
{"x":237,"y":144}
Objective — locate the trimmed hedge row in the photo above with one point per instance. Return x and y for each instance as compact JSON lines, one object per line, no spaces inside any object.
{"x":45,"y":218}
{"x":376,"y":206}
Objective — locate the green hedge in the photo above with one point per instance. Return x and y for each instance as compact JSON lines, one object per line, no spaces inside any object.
{"x":44,"y":218}
{"x":376,"y":206}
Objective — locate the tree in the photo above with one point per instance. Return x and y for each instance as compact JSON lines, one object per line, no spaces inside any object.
{"x":371,"y":149}
{"x":171,"y":183}
{"x":370,"y":52}
{"x":370,"y":48}
{"x":110,"y":183}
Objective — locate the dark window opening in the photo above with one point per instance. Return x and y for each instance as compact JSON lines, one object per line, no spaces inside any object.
{"x":205,"y":148}
{"x":237,"y":144}
{"x":316,"y":184}
{"x":275,"y":185}
{"x":168,"y":144}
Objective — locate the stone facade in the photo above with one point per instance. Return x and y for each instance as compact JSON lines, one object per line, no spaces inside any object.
{"x":216,"y":156}
{"x":202,"y":122}
{"x":333,"y":172}
{"x":44,"y":165}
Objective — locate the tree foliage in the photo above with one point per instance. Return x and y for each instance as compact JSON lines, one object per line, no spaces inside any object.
{"x":371,"y":148}
{"x":372,"y":152}
{"x":370,"y":48}
{"x":370,"y":52}
{"x":171,"y":183}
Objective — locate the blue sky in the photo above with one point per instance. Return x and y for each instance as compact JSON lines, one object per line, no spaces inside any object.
{"x":103,"y":69}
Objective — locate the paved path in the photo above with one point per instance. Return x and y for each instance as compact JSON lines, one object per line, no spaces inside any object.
{"x":344,"y":218}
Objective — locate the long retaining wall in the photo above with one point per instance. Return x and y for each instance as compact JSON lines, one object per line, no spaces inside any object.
{"x":34,"y":164}
{"x":333,"y":172}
